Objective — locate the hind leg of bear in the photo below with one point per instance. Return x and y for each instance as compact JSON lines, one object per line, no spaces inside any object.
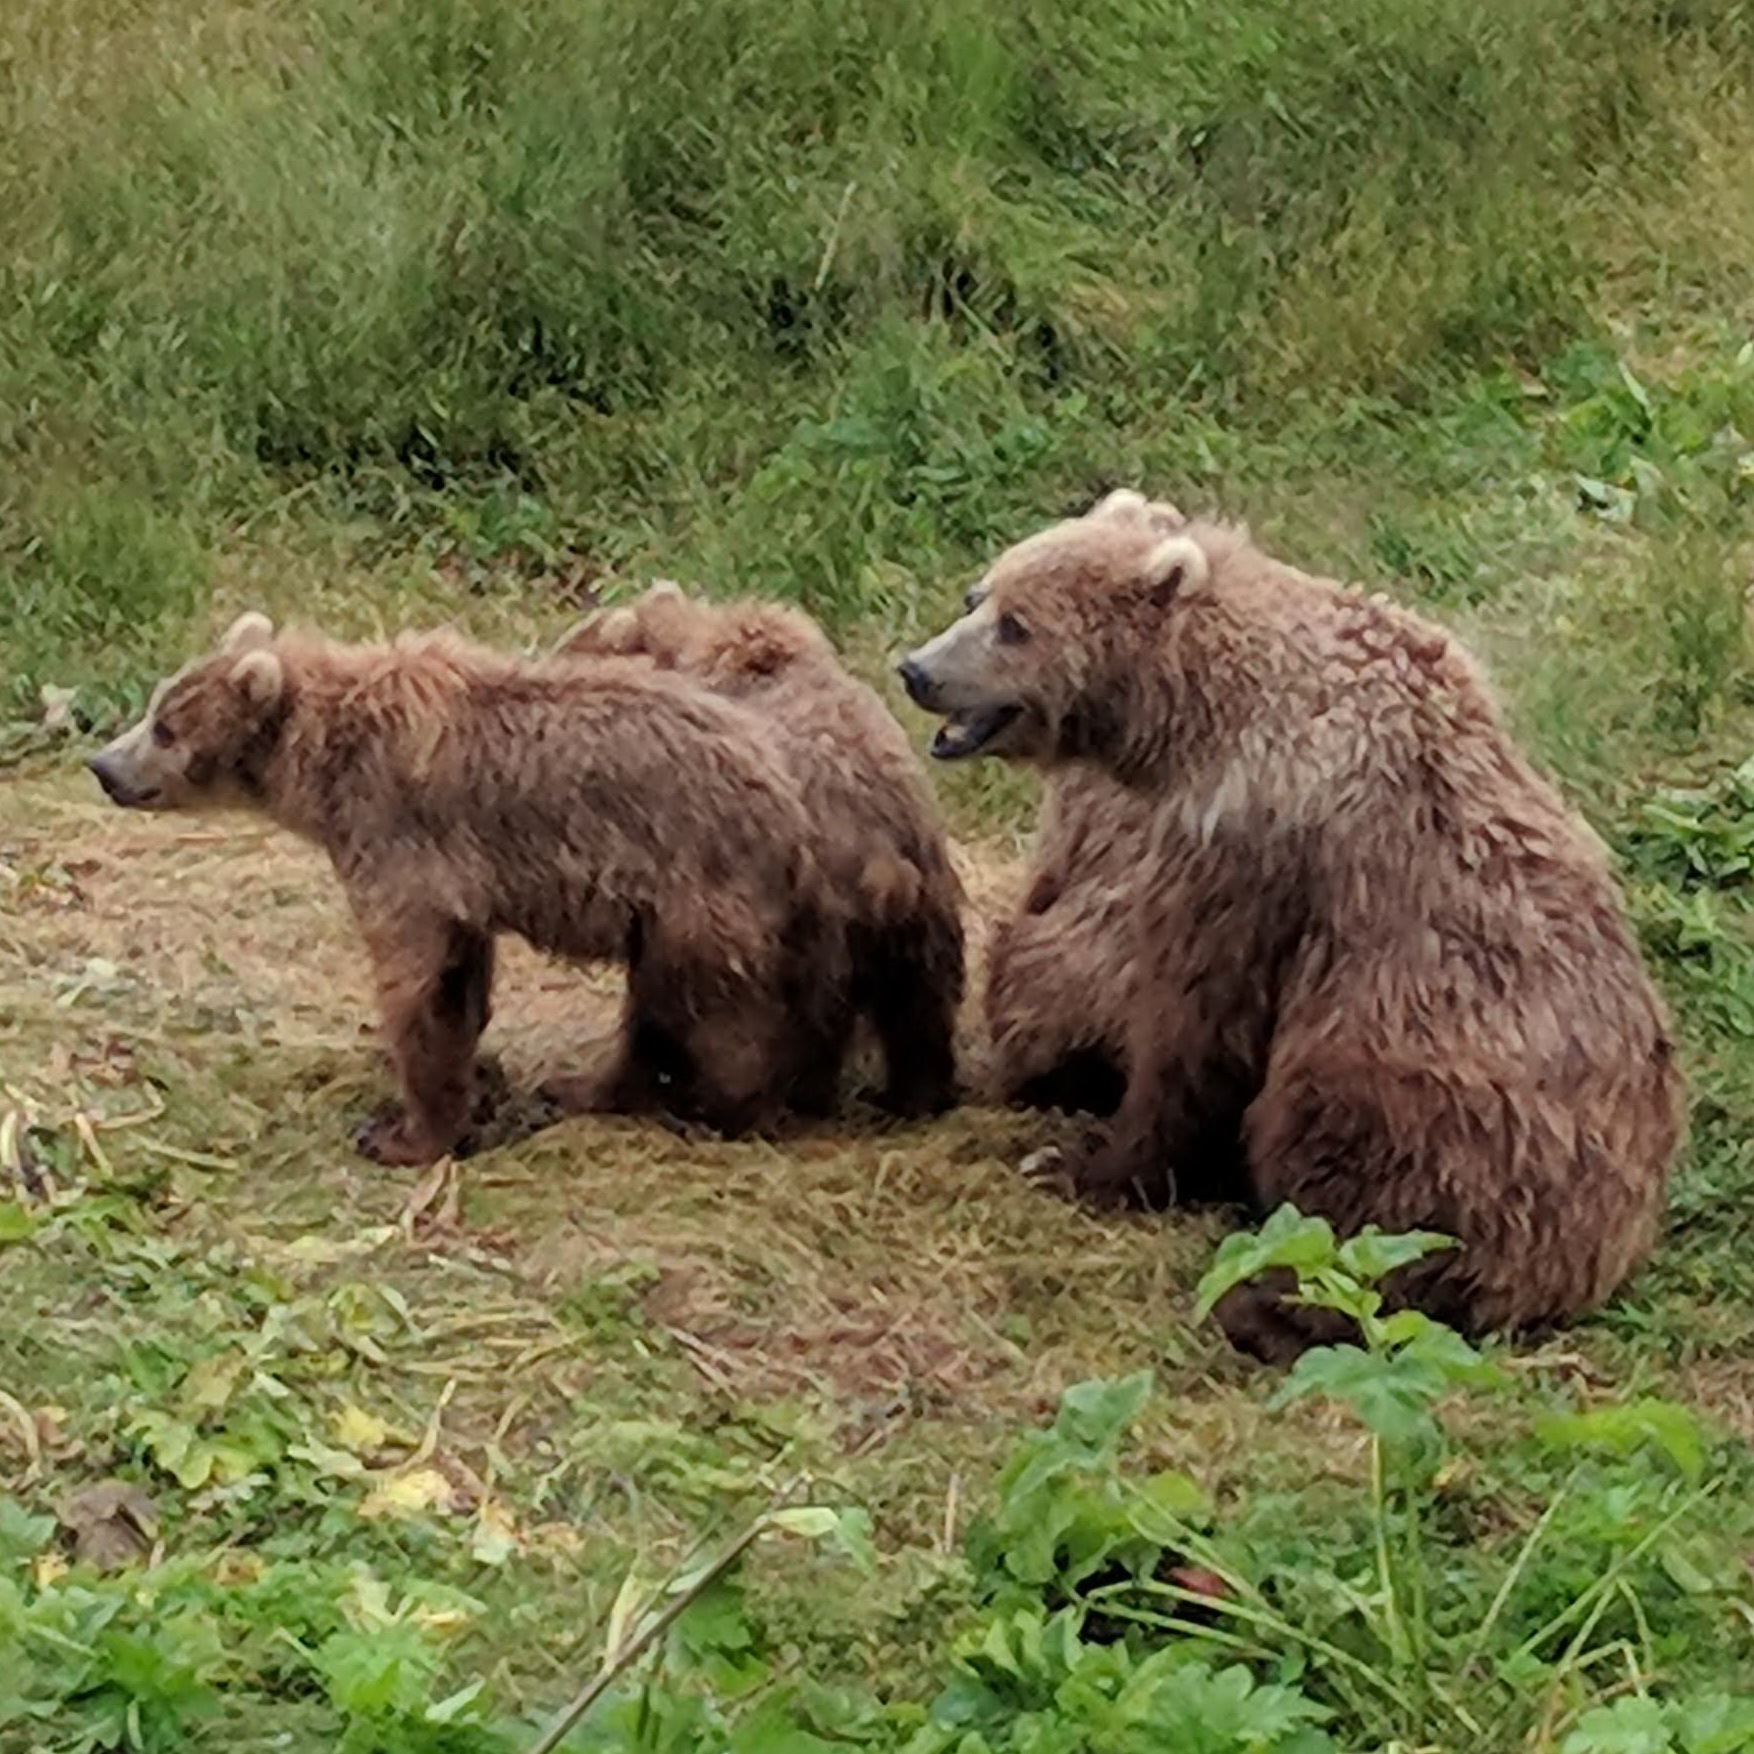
{"x":912,"y":989}
{"x":736,"y":1058}
{"x":917,"y":1029}
{"x":821,"y":1060}
{"x":648,"y":1061}
{"x":712,"y":1047}
{"x":434,"y":997}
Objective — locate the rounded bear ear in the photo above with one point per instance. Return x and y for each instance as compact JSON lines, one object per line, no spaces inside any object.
{"x":251,"y":630}
{"x":259,"y":677}
{"x":664,"y":591}
{"x":1172,"y":565}
{"x":1165,"y":516}
{"x":1123,"y":502}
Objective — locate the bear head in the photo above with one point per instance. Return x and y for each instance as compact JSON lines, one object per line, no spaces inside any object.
{"x":1051,"y":644}
{"x":203,"y":727}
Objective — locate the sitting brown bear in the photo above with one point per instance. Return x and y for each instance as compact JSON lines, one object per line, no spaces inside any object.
{"x":875,"y":833}
{"x":1380,"y":971}
{"x":460,"y":793}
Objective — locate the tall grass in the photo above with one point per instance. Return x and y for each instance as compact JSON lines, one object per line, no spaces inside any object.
{"x":815,"y":297}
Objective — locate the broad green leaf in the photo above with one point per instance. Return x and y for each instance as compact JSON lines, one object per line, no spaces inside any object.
{"x":22,"y":1536}
{"x":1099,"y":1413}
{"x":16,"y":1224}
{"x":848,"y":1530}
{"x":1392,"y":1395}
{"x":452,"y":1709}
{"x":1287,"y":1239}
{"x":1715,"y":1724}
{"x":1620,"y":1430}
{"x":1629,"y":1726}
{"x":1373,"y":1253}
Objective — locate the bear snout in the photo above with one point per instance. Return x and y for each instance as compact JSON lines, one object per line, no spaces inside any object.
{"x":117,"y":787}
{"x":916,"y":680}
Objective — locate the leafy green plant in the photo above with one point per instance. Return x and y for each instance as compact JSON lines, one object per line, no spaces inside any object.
{"x":1437,"y":1636}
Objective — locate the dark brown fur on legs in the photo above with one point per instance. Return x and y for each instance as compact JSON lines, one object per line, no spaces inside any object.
{"x":435,"y":982}
{"x":1059,"y":974}
{"x":875,"y":832}
{"x":1380,"y":970}
{"x":587,"y":807}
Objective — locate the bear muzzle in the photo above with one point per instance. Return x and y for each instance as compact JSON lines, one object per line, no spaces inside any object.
{"x":106,"y":769}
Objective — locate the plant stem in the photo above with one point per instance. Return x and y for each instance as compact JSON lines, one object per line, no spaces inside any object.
{"x":616,"y":1663}
{"x":1526,"y":1552}
{"x":1614,"y":1572}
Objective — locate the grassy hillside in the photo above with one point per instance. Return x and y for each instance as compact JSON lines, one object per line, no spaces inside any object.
{"x":380,"y":311}
{"x":468,"y":304}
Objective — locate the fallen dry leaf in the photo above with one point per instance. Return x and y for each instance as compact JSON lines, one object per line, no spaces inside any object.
{"x":496,"y":1535}
{"x":437,"y":1198}
{"x":357,"y":1430}
{"x":113,"y":1523}
{"x":420,"y":1489}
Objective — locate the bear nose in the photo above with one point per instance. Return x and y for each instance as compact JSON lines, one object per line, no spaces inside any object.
{"x":915,"y":680}
{"x":100,"y":771}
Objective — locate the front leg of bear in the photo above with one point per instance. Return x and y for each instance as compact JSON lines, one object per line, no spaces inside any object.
{"x":1211,"y":938}
{"x":434,"y":980}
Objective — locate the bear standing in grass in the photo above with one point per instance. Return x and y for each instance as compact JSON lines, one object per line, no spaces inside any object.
{"x":875,"y":833}
{"x":1380,"y":970}
{"x":592,"y":809}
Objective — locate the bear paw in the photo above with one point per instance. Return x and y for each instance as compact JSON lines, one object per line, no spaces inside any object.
{"x":392,"y":1139}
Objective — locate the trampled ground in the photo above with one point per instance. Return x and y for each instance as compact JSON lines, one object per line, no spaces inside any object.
{"x":586,"y":1349}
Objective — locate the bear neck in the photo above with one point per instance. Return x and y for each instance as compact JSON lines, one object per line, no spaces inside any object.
{"x":1154,"y":700}
{"x":318,"y":755}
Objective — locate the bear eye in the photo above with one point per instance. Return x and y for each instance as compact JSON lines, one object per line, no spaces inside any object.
{"x":1012,"y":630}
{"x":162,"y":734}
{"x":974,"y":597}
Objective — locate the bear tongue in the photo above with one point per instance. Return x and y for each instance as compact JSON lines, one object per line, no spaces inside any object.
{"x":967,"y":733}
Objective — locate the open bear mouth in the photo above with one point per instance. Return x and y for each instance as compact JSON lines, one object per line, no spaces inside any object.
{"x":968,"y":733}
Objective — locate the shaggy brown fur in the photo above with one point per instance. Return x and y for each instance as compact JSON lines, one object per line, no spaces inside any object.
{"x":1381,"y":971}
{"x":875,"y":832}
{"x":591,"y":809}
{"x":1059,"y":973}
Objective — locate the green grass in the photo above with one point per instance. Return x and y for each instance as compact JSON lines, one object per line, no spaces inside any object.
{"x":375,"y":312}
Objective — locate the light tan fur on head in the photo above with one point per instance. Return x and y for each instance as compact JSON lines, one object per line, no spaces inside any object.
{"x":1026,"y":672}
{"x":200,"y":726}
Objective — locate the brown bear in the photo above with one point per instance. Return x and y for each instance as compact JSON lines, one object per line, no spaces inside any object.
{"x":875,"y":832}
{"x":1380,"y":970}
{"x":1059,"y":971}
{"x":460,"y":793}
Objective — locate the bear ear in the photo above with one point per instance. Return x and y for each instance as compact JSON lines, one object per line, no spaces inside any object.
{"x":1165,"y":516}
{"x":259,"y":677}
{"x":664,"y":591}
{"x":617,"y":629}
{"x":1123,"y":502}
{"x":248,"y":633}
{"x":1171,"y":567}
